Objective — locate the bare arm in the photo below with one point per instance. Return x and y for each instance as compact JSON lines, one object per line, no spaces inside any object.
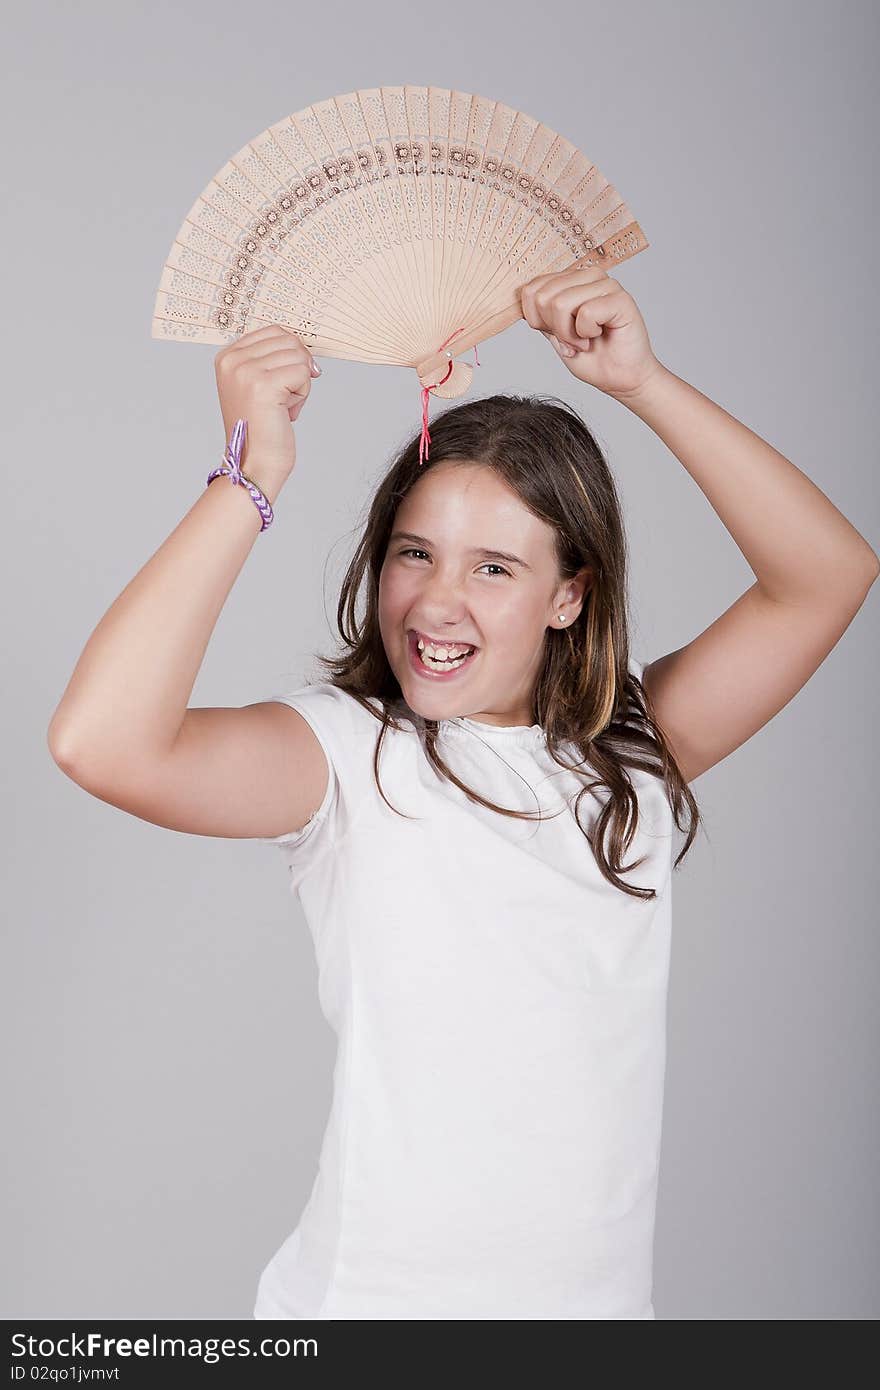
{"x":122,"y":728}
{"x":126,"y":700}
{"x":813,"y":571}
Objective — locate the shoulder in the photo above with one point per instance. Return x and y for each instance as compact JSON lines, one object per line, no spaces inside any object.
{"x":346,"y":730}
{"x":346,"y":725}
{"x":330,"y":701}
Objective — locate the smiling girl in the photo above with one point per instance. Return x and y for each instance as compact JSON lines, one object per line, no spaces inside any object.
{"x":477,"y":808}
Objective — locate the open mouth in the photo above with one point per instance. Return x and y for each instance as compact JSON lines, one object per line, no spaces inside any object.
{"x":437,"y":670}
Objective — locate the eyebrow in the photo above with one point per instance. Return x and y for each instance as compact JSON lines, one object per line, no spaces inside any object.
{"x":475,"y":550}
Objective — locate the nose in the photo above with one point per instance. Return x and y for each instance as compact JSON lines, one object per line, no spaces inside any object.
{"x":441,"y":606}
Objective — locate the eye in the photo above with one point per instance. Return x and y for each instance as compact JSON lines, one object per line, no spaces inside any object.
{"x":489,"y":563}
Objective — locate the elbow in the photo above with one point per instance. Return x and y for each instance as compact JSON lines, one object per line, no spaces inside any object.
{"x":58,"y":742}
{"x":867,"y":578}
{"x":862,"y":572}
{"x":872,"y":570}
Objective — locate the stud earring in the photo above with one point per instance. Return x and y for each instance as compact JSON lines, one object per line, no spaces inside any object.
{"x":562,"y":618}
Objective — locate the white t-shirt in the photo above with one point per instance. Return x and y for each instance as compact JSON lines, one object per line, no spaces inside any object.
{"x":493,"y":1142}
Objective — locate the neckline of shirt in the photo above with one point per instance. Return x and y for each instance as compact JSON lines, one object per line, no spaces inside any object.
{"x":521,"y":735}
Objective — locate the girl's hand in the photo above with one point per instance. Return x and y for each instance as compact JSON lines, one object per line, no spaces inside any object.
{"x":265,"y":377}
{"x":589,"y":311}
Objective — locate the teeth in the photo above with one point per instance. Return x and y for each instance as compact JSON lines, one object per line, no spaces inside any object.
{"x":440,"y":665}
{"x":442,"y":653}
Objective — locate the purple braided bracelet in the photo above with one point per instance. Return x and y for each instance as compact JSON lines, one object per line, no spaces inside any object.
{"x":232,"y":458}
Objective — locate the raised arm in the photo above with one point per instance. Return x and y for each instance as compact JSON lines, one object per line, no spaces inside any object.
{"x":812,"y":567}
{"x":813,"y":570}
{"x":122,"y":729}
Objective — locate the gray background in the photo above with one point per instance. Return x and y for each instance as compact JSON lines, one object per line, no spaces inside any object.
{"x":167,"y":1069}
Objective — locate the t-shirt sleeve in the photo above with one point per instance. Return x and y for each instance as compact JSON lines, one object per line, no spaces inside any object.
{"x":343,"y":729}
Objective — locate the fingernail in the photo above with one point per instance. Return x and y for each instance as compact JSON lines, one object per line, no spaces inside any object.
{"x":316,"y":370}
{"x":566,"y":350}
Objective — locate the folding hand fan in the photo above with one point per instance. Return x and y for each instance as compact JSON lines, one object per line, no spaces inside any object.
{"x":387,"y":224}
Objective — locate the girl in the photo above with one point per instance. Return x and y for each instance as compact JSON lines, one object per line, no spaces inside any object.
{"x":477,"y":808}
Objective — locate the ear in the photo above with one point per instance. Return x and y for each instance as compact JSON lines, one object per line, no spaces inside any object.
{"x":572,"y":594}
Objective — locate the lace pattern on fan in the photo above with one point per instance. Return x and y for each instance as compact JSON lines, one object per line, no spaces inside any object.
{"x":336,"y":178}
{"x":374,"y":222}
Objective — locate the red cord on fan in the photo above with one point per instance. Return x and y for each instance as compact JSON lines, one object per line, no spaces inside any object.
{"x":425,"y":441}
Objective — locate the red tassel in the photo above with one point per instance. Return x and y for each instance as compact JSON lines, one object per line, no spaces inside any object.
{"x":425,"y":441}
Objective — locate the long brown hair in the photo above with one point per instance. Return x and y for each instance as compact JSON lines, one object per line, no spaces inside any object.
{"x":585,"y":694}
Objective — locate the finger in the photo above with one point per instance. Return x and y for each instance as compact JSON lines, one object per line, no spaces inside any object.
{"x":582,"y":321}
{"x":556,"y":308}
{"x":254,"y":336}
{"x":282,"y":361}
{"x":279,"y":347}
{"x":564,"y":349}
{"x":559,"y":280}
{"x":574,"y":274}
{"x":576,"y":315}
{"x":261,"y":341}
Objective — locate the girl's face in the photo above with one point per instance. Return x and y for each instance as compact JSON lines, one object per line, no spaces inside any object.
{"x":438,"y":581}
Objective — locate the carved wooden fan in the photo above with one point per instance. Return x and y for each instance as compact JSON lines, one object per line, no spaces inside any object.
{"x":393,"y":225}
